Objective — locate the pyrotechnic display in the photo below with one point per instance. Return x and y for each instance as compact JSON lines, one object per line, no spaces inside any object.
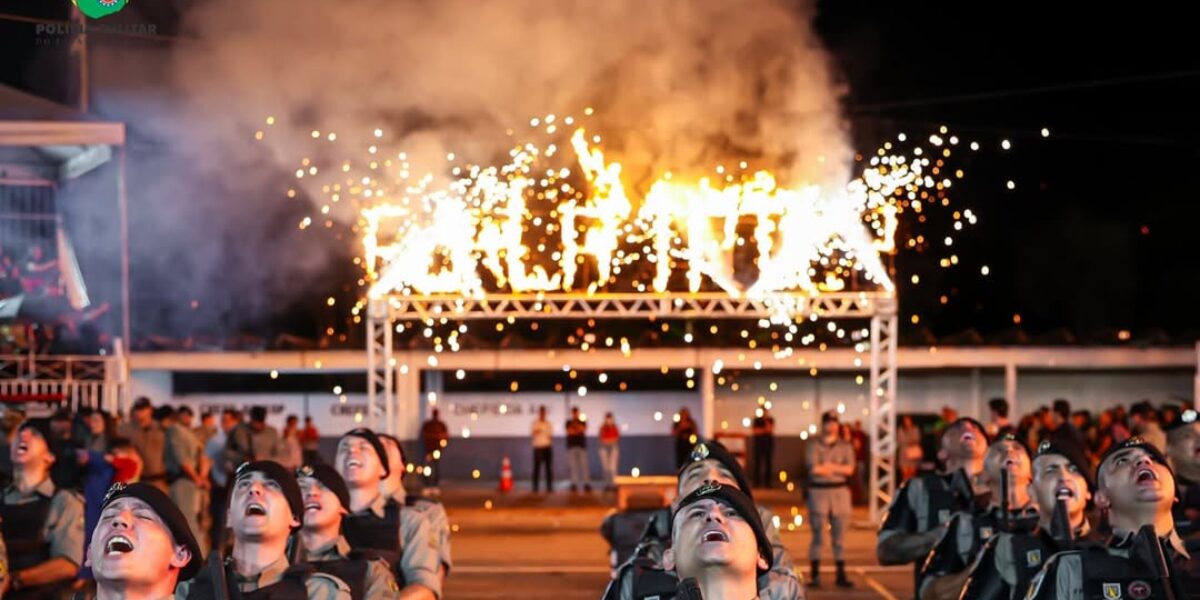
{"x":616,"y":300}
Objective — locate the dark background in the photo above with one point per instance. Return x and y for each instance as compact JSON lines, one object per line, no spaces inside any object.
{"x":1097,"y":238}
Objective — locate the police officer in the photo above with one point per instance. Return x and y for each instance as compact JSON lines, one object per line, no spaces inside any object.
{"x":1009,"y":509}
{"x":718,"y":544}
{"x":923,"y":503}
{"x":143,"y":544}
{"x":265,"y":507}
{"x":43,"y":526}
{"x":643,"y":576}
{"x":393,"y":488}
{"x":326,"y":502}
{"x":1144,"y":557}
{"x":830,"y":463}
{"x":183,"y":472}
{"x":1009,"y":561}
{"x":402,"y":537}
{"x":1183,"y":450}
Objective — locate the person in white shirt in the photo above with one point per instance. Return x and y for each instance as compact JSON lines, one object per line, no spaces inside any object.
{"x":543,"y":455}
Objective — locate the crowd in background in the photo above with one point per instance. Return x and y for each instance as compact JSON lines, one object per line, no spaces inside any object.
{"x":1092,"y":434}
{"x":43,"y":321}
{"x":190,"y":457}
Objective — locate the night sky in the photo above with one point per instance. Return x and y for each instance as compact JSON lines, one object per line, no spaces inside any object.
{"x":1098,"y":236}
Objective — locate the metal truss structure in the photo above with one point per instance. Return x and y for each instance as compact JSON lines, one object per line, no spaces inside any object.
{"x":880,"y":308}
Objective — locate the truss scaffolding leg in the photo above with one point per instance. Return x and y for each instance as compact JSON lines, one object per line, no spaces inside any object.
{"x":884,"y":329}
{"x":380,"y":384}
{"x":708,"y":412}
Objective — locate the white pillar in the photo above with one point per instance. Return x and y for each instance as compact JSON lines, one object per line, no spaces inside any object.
{"x":1010,"y":387}
{"x":976,"y":395}
{"x":708,"y":413}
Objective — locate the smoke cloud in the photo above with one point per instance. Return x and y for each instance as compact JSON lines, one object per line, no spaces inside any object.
{"x":679,"y":85}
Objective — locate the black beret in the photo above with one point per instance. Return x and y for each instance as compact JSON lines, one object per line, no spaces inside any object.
{"x":829,"y":415}
{"x":1073,"y":455}
{"x":330,"y":478}
{"x":1136,"y":442}
{"x":41,"y":426}
{"x":277,"y":473}
{"x":710,"y":450}
{"x":170,"y":514}
{"x":740,"y":502}
{"x":373,"y":439}
{"x":1185,"y":419}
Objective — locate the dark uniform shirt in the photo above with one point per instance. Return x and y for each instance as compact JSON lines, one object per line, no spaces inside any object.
{"x":963,"y":539}
{"x":377,"y":581}
{"x":1010,"y":561}
{"x":1116,"y":572}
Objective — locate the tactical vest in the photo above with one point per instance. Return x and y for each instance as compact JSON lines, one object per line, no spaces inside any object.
{"x":23,"y":526}
{"x":352,"y":569}
{"x":290,"y":587}
{"x":1188,"y":493}
{"x":1110,"y":577}
{"x":365,"y":531}
{"x":651,"y":582}
{"x":1030,"y":552}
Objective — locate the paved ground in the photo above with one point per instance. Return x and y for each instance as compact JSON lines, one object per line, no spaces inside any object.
{"x":525,"y":546}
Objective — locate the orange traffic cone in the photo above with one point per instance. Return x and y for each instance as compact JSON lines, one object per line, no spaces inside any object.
{"x":506,"y":480}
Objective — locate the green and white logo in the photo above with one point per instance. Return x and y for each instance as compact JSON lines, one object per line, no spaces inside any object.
{"x":100,"y":8}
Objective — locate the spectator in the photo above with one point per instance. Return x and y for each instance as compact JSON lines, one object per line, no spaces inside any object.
{"x":543,"y":450}
{"x":66,"y":472}
{"x":1168,"y":413}
{"x":1060,"y":431}
{"x":183,"y":470}
{"x":577,"y":456}
{"x":206,"y":429}
{"x":434,"y":436}
{"x":292,"y":454}
{"x":908,"y":439}
{"x":310,"y":440}
{"x":1143,"y":421}
{"x":685,"y":433}
{"x":999,"y":423}
{"x":265,"y":443}
{"x":764,"y":446}
{"x":862,"y":450}
{"x":96,"y":439}
{"x":147,"y":438}
{"x":610,"y":451}
{"x":186,"y":418}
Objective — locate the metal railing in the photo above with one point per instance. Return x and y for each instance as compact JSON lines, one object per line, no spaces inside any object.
{"x":73,"y":381}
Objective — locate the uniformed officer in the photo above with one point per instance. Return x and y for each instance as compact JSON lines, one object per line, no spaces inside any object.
{"x":830,"y":463}
{"x":43,"y":526}
{"x":265,"y":508}
{"x":1009,"y":561}
{"x":183,"y":473}
{"x":643,"y":575}
{"x":1144,"y":557}
{"x":393,"y":487}
{"x":143,"y":545}
{"x":924,"y":503}
{"x":718,"y":543}
{"x":946,"y":569}
{"x":402,"y":537}
{"x":1183,"y":450}
{"x":326,"y":502}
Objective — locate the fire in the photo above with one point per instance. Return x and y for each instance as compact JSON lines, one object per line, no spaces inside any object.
{"x":528,"y":226}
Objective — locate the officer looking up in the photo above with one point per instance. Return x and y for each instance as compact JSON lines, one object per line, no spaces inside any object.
{"x":718,"y":544}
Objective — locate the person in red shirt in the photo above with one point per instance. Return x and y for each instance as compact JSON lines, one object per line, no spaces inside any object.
{"x":610,"y":451}
{"x":310,"y":439}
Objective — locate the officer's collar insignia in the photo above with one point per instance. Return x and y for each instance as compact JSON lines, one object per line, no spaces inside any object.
{"x":1033,"y":558}
{"x":1139,"y":590}
{"x":1112,"y":591}
{"x":700,"y":452}
{"x":709,"y":487}
{"x":305,"y":471}
{"x":115,"y":489}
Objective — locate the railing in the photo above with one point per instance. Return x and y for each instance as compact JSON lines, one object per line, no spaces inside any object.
{"x":74,"y":381}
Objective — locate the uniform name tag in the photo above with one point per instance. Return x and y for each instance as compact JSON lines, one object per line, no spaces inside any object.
{"x":1033,"y":558}
{"x":1112,"y":591}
